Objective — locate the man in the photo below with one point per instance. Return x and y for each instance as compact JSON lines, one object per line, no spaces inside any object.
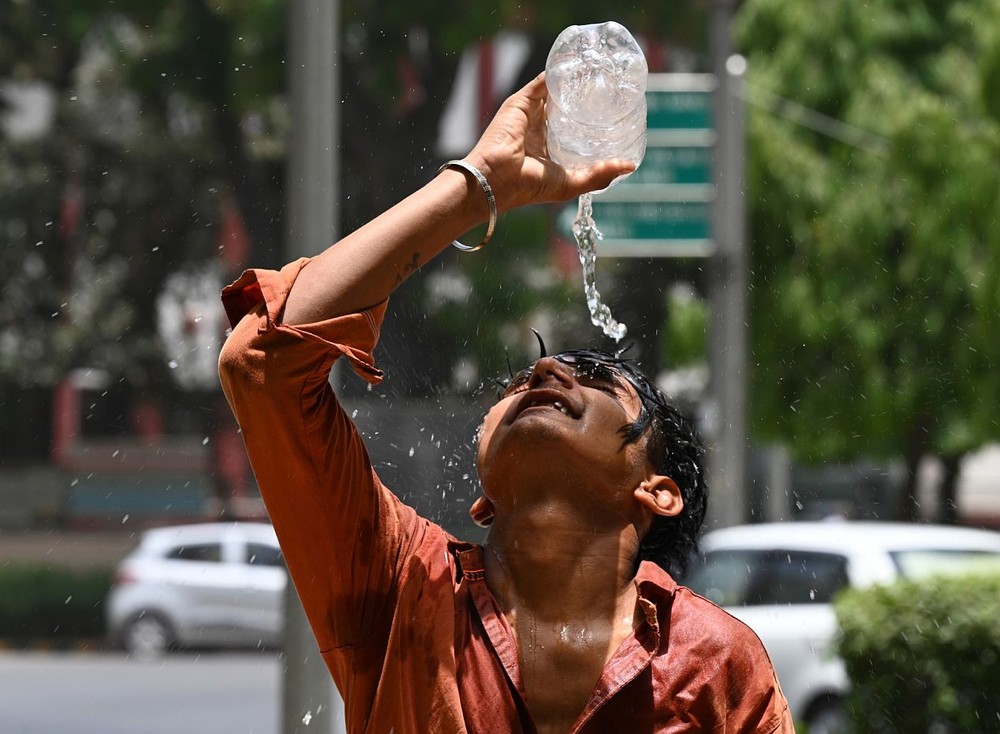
{"x":554,"y":625}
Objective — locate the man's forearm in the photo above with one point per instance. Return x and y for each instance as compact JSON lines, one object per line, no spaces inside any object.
{"x":366,"y":266}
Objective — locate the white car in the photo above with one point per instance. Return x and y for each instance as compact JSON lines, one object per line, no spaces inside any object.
{"x":779,"y":578}
{"x":205,"y":585}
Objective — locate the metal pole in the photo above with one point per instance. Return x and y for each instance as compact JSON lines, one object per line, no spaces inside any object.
{"x":312,"y":184}
{"x":727,"y":466}
{"x":310,"y":703}
{"x":777,"y":484}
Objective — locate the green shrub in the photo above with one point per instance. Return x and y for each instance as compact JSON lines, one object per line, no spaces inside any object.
{"x":40,"y":603}
{"x":923,"y":656}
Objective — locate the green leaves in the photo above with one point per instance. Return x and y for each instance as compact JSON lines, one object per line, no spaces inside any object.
{"x":872,"y":231}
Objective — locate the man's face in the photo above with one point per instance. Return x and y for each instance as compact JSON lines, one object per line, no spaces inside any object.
{"x":562,"y":419}
{"x":589,"y":372}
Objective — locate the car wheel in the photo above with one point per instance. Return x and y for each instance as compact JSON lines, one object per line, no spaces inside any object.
{"x":828,"y":718}
{"x":147,"y":636}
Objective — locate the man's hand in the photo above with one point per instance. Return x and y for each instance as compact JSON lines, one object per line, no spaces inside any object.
{"x":513,"y":156}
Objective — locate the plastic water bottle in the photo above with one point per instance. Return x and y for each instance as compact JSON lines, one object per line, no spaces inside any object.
{"x":596,"y":77}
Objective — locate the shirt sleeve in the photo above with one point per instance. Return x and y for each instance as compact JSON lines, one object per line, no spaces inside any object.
{"x":342,"y":532}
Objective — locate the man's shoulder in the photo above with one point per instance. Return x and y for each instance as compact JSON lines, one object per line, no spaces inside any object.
{"x":731,"y":659}
{"x":695,"y":618}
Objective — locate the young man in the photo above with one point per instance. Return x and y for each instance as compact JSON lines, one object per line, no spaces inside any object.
{"x":554,"y":625}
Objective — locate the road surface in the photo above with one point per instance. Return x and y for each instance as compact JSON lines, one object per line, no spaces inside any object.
{"x":108,"y":693}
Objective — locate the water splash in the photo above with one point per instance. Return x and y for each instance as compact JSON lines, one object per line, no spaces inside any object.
{"x":587,"y":235}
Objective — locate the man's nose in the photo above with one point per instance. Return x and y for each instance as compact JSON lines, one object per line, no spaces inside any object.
{"x":548,"y":369}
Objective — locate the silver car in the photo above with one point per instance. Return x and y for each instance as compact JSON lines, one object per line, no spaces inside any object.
{"x":205,"y":585}
{"x":780,"y":578}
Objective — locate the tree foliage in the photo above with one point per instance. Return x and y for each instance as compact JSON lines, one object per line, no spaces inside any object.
{"x":874,"y":142}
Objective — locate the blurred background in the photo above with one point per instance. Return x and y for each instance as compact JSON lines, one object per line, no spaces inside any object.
{"x":143,"y":167}
{"x":144,"y":153}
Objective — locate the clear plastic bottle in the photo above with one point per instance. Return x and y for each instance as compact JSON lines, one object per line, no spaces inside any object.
{"x":596,"y":77}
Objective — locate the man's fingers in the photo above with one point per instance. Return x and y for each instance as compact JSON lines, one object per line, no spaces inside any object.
{"x":598,"y":176}
{"x":536,"y":87}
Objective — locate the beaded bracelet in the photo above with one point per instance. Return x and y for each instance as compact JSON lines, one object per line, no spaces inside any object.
{"x":491,"y":202}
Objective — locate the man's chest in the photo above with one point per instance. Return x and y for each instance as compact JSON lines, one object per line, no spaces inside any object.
{"x":558,"y":677}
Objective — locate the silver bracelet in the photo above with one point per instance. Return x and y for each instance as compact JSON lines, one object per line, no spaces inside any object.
{"x":491,"y":202}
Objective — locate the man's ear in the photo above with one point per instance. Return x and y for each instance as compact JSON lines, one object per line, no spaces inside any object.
{"x":481,"y":512}
{"x":660,"y":495}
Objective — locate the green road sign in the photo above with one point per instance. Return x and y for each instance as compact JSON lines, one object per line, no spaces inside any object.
{"x":664,"y":208}
{"x":679,"y":101}
{"x":688,"y":164}
{"x":648,"y":229}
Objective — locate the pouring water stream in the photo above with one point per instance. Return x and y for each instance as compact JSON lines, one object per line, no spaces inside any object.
{"x":587,"y":235}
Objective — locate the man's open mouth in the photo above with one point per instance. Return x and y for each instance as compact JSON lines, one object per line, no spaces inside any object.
{"x":557,"y":405}
{"x":548,"y":399}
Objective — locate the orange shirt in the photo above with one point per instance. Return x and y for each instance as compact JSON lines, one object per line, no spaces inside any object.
{"x":404,"y":619}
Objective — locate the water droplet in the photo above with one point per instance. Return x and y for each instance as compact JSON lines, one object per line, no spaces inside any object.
{"x":125,"y":519}
{"x":204,"y":441}
{"x":172,"y":364}
{"x":307,"y":718}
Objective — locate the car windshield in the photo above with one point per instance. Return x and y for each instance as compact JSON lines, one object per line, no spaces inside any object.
{"x":921,"y":563}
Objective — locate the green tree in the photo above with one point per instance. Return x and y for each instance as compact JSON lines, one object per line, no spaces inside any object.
{"x":874,"y":141}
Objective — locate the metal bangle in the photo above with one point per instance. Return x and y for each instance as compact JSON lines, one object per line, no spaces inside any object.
{"x":491,"y":202}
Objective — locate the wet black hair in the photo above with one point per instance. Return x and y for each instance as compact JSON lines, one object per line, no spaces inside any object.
{"x":674,"y":449}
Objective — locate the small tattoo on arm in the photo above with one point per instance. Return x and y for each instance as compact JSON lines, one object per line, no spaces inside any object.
{"x":409,"y":268}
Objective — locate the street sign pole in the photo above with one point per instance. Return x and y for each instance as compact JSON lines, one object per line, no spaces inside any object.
{"x":310,"y":703}
{"x":727,"y":437}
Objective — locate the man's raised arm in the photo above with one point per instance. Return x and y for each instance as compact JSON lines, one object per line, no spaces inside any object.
{"x":367,"y":265}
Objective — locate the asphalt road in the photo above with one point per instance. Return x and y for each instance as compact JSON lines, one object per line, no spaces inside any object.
{"x":98,"y":693}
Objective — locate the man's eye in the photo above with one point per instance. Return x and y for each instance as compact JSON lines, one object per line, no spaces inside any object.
{"x":603,"y":387}
{"x":518,"y":383}
{"x":598,"y":382}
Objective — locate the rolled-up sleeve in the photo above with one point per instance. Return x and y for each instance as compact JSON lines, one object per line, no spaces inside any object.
{"x":342,"y":532}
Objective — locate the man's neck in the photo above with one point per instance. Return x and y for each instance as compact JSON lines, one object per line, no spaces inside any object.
{"x":559,"y":566}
